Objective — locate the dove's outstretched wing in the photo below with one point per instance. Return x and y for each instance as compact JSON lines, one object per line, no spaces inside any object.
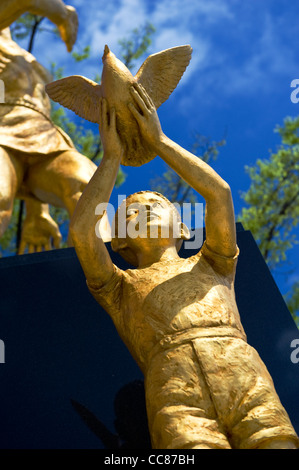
{"x":160,"y":73}
{"x":79,"y":94}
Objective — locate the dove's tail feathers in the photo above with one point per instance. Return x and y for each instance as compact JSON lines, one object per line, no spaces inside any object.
{"x":79,"y":94}
{"x":160,"y":73}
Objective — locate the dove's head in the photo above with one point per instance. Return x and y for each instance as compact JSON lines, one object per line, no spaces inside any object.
{"x":147,"y":222}
{"x":106,"y":52}
{"x":116,"y":78}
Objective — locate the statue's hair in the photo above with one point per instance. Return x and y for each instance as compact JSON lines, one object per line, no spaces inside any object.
{"x":151,"y":192}
{"x":127,"y":253}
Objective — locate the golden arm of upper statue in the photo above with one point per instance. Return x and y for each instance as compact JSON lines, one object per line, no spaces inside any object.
{"x":63,"y":16}
{"x":219,"y":218}
{"x":91,"y":250}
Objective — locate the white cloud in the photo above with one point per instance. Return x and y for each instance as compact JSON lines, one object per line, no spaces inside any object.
{"x":185,"y":12}
{"x":268,"y":58}
{"x":172,"y":19}
{"x":109,"y":25}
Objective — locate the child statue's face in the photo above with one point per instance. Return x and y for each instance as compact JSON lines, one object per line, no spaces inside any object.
{"x":151,"y":222}
{"x":150,"y":216}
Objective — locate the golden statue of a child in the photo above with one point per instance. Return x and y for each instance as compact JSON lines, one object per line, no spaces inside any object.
{"x":205,"y":386}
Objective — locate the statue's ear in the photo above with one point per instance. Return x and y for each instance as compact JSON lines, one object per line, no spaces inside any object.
{"x":184,"y":235}
{"x":185,"y":232}
{"x":79,"y":94}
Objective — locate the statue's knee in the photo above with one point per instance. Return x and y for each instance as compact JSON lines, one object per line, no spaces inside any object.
{"x":70,"y":200}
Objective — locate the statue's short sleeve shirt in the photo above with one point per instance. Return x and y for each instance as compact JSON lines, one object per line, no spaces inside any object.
{"x":169,"y":298}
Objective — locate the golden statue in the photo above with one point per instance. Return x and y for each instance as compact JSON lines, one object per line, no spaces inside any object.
{"x":205,"y":386}
{"x":38,"y":161}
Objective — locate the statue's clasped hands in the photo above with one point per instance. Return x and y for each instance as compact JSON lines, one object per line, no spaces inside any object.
{"x":145,"y":113}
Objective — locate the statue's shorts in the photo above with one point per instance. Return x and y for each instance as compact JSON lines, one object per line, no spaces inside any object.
{"x":25,"y":128}
{"x":213,"y":393}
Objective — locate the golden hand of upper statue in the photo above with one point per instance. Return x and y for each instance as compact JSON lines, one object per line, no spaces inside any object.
{"x":68,"y":29}
{"x":39,"y":232}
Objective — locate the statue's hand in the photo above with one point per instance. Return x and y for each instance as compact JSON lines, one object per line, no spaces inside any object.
{"x":69,"y":28}
{"x":39,"y":233}
{"x":111,"y":141}
{"x":145,"y":113}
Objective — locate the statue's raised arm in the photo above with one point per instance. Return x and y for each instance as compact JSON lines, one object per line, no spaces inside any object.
{"x":91,"y":250}
{"x":220,"y":220}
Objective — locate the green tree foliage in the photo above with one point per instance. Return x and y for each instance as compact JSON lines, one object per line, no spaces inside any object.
{"x":8,"y":240}
{"x":136,"y":45}
{"x":272,"y":202}
{"x":27,"y":26}
{"x":292,"y":300}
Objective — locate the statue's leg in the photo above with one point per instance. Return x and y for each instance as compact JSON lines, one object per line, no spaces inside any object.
{"x":244,"y":394}
{"x":180,"y":406}
{"x":11,"y":174}
{"x":278,"y":444}
{"x":60,"y":178}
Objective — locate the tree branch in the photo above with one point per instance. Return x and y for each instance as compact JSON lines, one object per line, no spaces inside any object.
{"x":37,"y":22}
{"x":282,"y":211}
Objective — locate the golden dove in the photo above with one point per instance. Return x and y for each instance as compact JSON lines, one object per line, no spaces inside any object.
{"x":159,"y":75}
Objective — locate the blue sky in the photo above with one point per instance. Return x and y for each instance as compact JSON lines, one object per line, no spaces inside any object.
{"x":245,"y":55}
